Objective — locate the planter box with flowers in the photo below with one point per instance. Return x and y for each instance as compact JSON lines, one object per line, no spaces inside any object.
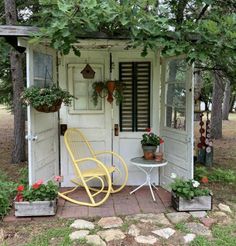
{"x":150,"y":142}
{"x":187,"y":195}
{"x":37,"y":200}
{"x":47,"y":100}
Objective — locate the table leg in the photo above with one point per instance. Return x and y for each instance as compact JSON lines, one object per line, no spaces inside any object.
{"x":138,"y":187}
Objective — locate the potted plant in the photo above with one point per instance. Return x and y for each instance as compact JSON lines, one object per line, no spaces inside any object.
{"x":37,"y":200}
{"x":149,"y":142}
{"x":187,"y":195}
{"x":110,"y":89}
{"x":97,"y":91}
{"x":48,"y":99}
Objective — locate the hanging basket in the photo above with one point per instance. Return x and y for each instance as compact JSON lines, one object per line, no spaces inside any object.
{"x":49,"y":109}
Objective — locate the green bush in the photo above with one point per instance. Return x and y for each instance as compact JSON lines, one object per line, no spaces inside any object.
{"x":215,"y":174}
{"x":221,"y":175}
{"x":7,"y":192}
{"x":200,"y":172}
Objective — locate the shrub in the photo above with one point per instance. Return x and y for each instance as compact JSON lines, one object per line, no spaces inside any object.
{"x":221,"y":175}
{"x":7,"y":192}
{"x":200,"y":172}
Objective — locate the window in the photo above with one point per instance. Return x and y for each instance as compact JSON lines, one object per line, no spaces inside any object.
{"x":43,"y":69}
{"x":82,"y":88}
{"x":135,"y":108}
{"x":175,"y":87}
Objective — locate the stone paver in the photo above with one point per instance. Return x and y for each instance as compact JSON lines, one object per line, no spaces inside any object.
{"x":146,"y":239}
{"x":164,"y":233}
{"x":82,"y":224}
{"x":208,"y":222}
{"x":188,"y":238}
{"x":178,"y":217}
{"x":95,"y":240}
{"x":134,"y":231}
{"x":198,"y":214}
{"x":224,"y":208}
{"x":219,"y":214}
{"x":151,"y":218}
{"x":78,"y":234}
{"x":110,"y":222}
{"x":111,"y":234}
{"x":198,"y":229}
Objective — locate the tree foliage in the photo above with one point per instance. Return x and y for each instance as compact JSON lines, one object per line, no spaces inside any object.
{"x":205,"y":30}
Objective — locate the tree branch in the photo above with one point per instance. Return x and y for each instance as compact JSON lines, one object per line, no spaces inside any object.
{"x":204,"y":9}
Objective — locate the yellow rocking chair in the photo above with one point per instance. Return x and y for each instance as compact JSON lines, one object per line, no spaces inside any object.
{"x":106,"y":175}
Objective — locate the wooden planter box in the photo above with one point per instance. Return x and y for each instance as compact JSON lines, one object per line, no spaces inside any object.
{"x":196,"y":204}
{"x":36,"y":208}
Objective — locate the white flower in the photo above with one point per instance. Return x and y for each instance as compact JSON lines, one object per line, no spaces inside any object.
{"x":195,"y":183}
{"x":173,"y":175}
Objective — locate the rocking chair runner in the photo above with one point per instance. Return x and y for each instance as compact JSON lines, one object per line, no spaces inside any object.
{"x":74,"y":140}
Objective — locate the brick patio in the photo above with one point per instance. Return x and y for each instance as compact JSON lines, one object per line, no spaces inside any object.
{"x":119,"y":204}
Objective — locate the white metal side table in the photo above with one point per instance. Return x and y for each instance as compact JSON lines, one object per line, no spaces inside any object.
{"x":147,"y":166}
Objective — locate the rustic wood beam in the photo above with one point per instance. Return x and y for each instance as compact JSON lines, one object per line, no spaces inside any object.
{"x":18,"y":31}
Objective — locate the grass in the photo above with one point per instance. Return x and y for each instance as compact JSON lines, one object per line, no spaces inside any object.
{"x":222,"y":236}
{"x":181,"y":227}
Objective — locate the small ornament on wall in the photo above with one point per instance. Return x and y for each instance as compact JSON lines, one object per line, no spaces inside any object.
{"x":88,"y":72}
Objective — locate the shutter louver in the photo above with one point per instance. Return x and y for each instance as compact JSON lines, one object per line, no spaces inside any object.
{"x":135,"y":108}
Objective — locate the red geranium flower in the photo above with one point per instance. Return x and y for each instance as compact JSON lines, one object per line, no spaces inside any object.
{"x":20,"y":188}
{"x":36,"y":186}
{"x":204,"y":180}
{"x":161,"y":141}
{"x":148,"y":129}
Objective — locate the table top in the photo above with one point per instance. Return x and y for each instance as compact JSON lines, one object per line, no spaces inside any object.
{"x":140,"y":161}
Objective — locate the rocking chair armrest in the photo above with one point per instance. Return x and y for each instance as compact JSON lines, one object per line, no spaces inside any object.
{"x":114,"y":154}
{"x":108,"y":152}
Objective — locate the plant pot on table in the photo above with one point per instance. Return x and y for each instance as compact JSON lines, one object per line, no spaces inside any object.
{"x":149,"y":151}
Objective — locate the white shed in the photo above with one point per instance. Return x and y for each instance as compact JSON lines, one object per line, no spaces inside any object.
{"x":158,"y":94}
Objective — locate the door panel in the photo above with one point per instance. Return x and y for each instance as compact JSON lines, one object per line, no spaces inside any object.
{"x":93,"y":121}
{"x":177,"y":118}
{"x":136,"y":113}
{"x":43,"y":146}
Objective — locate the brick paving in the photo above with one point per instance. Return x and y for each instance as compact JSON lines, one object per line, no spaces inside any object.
{"x":119,"y":204}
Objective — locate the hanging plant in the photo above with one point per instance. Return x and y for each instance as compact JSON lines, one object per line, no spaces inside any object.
{"x":48,"y":99}
{"x":110,"y":89}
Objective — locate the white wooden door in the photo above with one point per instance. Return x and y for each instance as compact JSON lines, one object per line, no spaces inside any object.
{"x":141,"y":100}
{"x":93,"y":121}
{"x":43,"y":148}
{"x":177,"y":118}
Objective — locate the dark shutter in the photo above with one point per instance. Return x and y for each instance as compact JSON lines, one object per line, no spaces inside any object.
{"x":135,"y":108}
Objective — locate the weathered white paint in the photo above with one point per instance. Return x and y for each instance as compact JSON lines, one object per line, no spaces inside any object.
{"x":43,"y":152}
{"x":178,"y":146}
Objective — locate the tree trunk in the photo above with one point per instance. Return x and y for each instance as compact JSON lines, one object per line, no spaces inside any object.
{"x":18,"y":153}
{"x":216,"y":112}
{"x":226,"y":101}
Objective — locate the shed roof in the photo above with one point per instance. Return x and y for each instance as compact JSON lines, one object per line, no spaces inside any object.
{"x":26,"y":31}
{"x":17,"y":31}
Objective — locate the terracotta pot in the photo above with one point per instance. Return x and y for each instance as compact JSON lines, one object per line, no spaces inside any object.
{"x":149,"y":152}
{"x":159,"y":156}
{"x":110,"y":97}
{"x":111,"y":85}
